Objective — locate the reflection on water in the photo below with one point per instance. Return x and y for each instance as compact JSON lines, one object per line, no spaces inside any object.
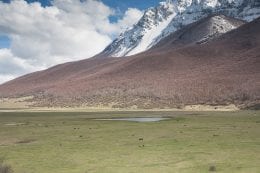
{"x":134,"y":119}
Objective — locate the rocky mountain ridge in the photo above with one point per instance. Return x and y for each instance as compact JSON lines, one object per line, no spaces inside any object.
{"x":172,"y":15}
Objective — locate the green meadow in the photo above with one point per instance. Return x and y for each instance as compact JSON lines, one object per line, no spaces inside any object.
{"x":74,"y":142}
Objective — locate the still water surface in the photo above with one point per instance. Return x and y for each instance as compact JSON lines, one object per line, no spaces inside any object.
{"x":134,"y":119}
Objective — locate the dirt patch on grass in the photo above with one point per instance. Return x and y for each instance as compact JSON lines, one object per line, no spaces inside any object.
{"x":9,"y":142}
{"x":25,"y":141}
{"x":211,"y":108}
{"x":15,"y":124}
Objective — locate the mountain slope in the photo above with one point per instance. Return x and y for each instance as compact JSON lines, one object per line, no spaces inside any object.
{"x":222,"y":71}
{"x":200,"y":32}
{"x":172,"y":15}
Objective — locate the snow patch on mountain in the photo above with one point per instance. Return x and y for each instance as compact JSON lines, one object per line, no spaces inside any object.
{"x":150,"y":36}
{"x":219,"y":25}
{"x":172,"y":15}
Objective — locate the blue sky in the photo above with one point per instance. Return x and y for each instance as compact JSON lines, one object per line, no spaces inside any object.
{"x":124,"y":4}
{"x":120,"y":5}
{"x":34,"y":37}
{"x":4,"y":42}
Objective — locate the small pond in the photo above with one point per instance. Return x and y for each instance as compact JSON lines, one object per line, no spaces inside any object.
{"x":134,"y":119}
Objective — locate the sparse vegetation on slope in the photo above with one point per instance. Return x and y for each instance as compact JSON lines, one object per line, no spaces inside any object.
{"x":222,"y":72}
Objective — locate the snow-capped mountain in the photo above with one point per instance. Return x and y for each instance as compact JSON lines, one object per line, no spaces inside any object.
{"x":200,"y":32}
{"x":172,"y":15}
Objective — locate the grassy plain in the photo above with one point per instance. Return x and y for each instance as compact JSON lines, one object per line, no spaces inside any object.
{"x":73,"y":142}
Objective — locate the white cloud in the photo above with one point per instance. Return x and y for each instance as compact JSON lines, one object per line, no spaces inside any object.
{"x":8,"y":62}
{"x":131,"y":16}
{"x":12,"y":66}
{"x":45,"y":36}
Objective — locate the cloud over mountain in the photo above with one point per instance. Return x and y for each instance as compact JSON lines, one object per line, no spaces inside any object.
{"x":44,"y":36}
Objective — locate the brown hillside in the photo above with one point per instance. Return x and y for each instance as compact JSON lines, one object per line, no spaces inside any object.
{"x":223,"y":71}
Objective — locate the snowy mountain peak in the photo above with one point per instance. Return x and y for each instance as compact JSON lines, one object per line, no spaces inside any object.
{"x":154,"y":16}
{"x":140,"y":36}
{"x":172,"y":15}
{"x":182,"y":4}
